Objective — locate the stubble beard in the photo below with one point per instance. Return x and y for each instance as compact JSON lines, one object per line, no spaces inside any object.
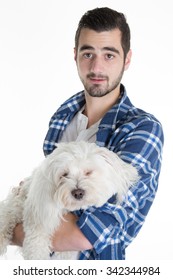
{"x":98,"y":90}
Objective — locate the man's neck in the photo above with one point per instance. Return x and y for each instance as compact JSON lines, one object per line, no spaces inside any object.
{"x":97,"y":107}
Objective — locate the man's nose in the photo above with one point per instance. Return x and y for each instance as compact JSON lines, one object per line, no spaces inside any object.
{"x":97,"y":65}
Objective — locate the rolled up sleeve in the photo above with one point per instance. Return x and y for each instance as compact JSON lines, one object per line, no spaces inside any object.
{"x":111,"y":228}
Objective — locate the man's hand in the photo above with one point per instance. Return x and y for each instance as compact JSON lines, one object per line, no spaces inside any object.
{"x":69,"y":237}
{"x":18,"y":235}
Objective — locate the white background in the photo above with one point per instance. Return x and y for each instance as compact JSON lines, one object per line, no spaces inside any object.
{"x":37,"y":73}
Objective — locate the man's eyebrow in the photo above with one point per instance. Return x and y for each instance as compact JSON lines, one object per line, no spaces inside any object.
{"x":112,"y":49}
{"x":88,"y":47}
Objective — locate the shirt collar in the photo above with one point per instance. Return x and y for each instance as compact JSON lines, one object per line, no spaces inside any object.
{"x":77,"y":102}
{"x":117,"y":112}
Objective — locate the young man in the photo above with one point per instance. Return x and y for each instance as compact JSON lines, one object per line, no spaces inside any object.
{"x":103,"y":113}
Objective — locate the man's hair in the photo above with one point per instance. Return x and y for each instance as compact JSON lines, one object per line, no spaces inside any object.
{"x":105,"y":19}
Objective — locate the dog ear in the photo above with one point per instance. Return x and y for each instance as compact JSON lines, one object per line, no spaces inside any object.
{"x":125,"y":174}
{"x":40,"y":203}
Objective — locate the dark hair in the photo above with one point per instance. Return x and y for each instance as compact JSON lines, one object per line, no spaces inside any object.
{"x":105,"y":19}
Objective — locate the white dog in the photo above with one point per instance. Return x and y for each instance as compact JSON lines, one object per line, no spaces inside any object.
{"x":74,"y":176}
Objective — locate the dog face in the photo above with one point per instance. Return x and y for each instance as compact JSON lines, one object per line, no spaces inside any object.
{"x":83,"y":183}
{"x":79,"y":174}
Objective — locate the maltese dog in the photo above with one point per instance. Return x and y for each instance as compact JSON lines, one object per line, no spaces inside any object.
{"x":76,"y":175}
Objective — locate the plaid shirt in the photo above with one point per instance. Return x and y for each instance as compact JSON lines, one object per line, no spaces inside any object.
{"x":137,"y":137}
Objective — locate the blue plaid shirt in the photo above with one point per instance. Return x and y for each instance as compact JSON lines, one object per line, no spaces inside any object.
{"x":137,"y":137}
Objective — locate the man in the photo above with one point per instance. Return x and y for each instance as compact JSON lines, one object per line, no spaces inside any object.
{"x":103,"y":113}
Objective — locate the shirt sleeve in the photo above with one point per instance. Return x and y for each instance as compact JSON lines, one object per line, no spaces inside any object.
{"x":112,"y":225}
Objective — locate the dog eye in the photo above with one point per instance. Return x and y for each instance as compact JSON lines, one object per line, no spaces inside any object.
{"x":88,"y":172}
{"x":65,"y":174}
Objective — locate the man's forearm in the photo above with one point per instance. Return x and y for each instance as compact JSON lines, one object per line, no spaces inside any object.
{"x":67,"y":238}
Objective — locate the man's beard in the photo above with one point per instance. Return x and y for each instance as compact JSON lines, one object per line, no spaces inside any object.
{"x":98,"y":90}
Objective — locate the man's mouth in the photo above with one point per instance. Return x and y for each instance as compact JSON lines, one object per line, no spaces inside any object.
{"x":96,"y":79}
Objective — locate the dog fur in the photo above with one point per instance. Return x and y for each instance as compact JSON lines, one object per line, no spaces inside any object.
{"x":76,"y":175}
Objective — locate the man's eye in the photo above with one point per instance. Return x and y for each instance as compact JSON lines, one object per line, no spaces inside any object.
{"x":87,"y":55}
{"x":109,"y":56}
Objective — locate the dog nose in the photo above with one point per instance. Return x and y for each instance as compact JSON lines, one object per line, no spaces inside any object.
{"x":78,"y":193}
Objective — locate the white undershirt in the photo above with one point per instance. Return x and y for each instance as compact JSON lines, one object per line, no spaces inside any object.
{"x":77,"y":129}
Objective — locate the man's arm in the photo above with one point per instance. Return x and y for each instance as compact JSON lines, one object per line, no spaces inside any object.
{"x":67,"y":238}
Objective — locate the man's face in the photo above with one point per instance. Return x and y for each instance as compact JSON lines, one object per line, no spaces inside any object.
{"x":100,"y":61}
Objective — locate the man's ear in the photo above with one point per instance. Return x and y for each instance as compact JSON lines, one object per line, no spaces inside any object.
{"x":75,"y":54}
{"x":128,"y":60}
